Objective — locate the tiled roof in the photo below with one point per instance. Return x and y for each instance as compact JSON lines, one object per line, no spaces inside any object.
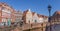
{"x":5,"y":4}
{"x":58,"y":12}
{"x":24,"y":13}
{"x":33,"y":13}
{"x":39,"y":15}
{"x":42,"y":16}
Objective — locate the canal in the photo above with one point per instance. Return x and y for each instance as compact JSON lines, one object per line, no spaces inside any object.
{"x":55,"y":27}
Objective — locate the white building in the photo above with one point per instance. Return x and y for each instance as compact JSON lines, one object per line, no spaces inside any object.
{"x":35,"y":18}
{"x":42,"y":19}
{"x":32,"y":17}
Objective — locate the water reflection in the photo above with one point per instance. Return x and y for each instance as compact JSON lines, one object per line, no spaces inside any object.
{"x":55,"y":27}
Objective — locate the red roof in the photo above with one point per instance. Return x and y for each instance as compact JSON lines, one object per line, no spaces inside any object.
{"x":58,"y":12}
{"x":33,"y":13}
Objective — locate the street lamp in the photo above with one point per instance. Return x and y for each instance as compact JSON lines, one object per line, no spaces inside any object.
{"x":49,"y":9}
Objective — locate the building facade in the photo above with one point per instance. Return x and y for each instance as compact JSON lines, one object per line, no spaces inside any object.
{"x":6,"y":14}
{"x":42,"y":18}
{"x":18,"y":16}
{"x":56,"y":17}
{"x":27,"y":16}
{"x":35,"y":18}
{"x":32,"y":17}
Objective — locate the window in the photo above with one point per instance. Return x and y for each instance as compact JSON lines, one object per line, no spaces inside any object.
{"x":29,"y":21}
{"x":35,"y":21}
{"x":45,"y":19}
{"x":41,"y":19}
{"x":4,"y":19}
{"x":1,"y":24}
{"x":5,"y":10}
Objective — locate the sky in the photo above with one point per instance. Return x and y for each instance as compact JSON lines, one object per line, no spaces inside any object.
{"x":38,"y":6}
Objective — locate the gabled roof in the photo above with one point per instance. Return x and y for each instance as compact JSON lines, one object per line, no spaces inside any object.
{"x":26,"y":11}
{"x":33,"y":13}
{"x":39,"y":15}
{"x":5,"y":4}
{"x":58,"y":12}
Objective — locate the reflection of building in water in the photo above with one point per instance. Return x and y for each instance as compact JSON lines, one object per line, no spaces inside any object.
{"x":32,"y":17}
{"x":6,"y":14}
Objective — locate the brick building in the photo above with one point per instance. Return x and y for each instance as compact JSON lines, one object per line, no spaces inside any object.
{"x":6,"y":14}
